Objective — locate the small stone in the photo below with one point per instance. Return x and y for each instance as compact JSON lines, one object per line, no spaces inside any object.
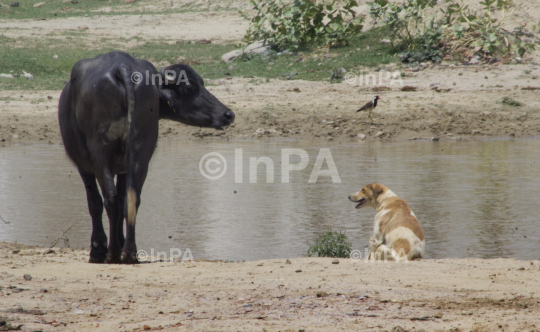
{"x":288,"y":261}
{"x":27,"y":277}
{"x":146,"y":328}
{"x":43,"y":290}
{"x":379,"y":134}
{"x":361,"y":136}
{"x":49,"y":97}
{"x":335,"y":261}
{"x":298,"y":271}
{"x":231,"y":68}
{"x":322,"y":294}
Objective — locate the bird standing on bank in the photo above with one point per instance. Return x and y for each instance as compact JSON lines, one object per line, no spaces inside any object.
{"x":369,"y":107}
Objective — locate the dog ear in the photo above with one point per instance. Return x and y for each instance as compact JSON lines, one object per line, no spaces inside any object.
{"x":377,"y":190}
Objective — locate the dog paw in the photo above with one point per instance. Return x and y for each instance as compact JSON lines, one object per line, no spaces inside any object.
{"x":373,"y":245}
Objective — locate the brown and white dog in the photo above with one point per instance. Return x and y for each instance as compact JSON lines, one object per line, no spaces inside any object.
{"x":397,"y":234}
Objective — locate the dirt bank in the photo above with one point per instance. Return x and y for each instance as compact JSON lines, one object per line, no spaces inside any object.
{"x":471,"y":106}
{"x":310,"y":294}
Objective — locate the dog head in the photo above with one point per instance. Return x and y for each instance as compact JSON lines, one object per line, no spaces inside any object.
{"x":369,"y":195}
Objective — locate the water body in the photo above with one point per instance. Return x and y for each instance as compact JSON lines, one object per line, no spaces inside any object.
{"x":473,"y":199}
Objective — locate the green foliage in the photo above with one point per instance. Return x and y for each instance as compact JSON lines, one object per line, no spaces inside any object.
{"x":425,"y":46}
{"x":483,"y":30}
{"x":403,"y":19}
{"x":456,"y":28}
{"x":331,"y":244}
{"x":510,"y":102}
{"x":302,"y":23}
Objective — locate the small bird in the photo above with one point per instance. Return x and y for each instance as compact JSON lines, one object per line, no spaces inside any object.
{"x":370,"y":106}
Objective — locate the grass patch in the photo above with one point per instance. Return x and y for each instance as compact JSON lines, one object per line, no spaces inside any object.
{"x":37,"y":57}
{"x":321,"y":64}
{"x":52,"y":9}
{"x":510,"y":102}
{"x":331,"y":244}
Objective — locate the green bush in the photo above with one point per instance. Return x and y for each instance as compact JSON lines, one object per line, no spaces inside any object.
{"x":404,"y":19}
{"x":302,"y":23}
{"x":331,"y":244}
{"x":510,"y":102}
{"x":454,"y":29}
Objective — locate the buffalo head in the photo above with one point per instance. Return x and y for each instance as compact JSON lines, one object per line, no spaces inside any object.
{"x":184,"y":98}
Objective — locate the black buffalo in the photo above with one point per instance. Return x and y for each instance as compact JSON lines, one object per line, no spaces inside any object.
{"x":109,"y":113}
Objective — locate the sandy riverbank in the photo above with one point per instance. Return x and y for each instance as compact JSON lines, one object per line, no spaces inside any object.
{"x":309,"y":294}
{"x":303,"y":109}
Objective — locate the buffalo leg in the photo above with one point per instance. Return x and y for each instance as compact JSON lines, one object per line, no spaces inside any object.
{"x":121,"y":190}
{"x":135,"y":181}
{"x":112,"y":206}
{"x":98,"y":251}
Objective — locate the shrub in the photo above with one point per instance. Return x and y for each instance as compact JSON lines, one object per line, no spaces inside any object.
{"x":331,"y":244}
{"x":455,"y":29}
{"x":510,"y":102}
{"x":404,"y":19}
{"x":302,"y":23}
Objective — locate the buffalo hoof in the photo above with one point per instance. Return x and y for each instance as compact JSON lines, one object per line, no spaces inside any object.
{"x":96,"y":260}
{"x":98,"y":254}
{"x":129,"y":258}
{"x":113,"y":258}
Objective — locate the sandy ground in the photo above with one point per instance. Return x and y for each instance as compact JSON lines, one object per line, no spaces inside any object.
{"x":310,"y":294}
{"x":304,"y":109}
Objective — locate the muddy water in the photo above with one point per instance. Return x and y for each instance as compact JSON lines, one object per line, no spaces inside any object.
{"x":473,"y":199}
